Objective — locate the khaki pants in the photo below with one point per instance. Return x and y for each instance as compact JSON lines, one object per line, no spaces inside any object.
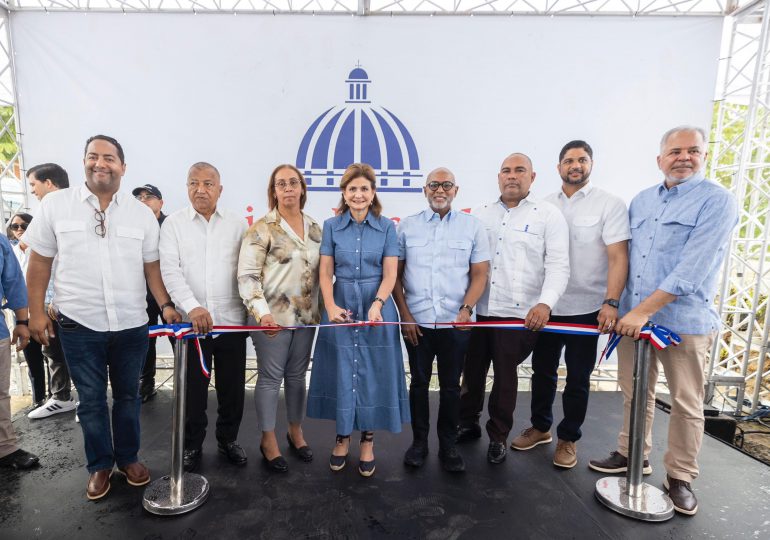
{"x":684,"y":369}
{"x":7,"y":435}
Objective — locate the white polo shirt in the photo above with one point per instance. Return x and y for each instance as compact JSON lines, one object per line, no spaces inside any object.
{"x":596,"y":219}
{"x":98,"y":282}
{"x":529,"y":247}
{"x":199,"y":263}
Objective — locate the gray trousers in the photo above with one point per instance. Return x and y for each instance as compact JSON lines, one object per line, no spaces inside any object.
{"x":281,"y":358}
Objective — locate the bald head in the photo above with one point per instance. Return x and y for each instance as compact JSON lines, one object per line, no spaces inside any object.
{"x":440,"y":174}
{"x":519,"y":154}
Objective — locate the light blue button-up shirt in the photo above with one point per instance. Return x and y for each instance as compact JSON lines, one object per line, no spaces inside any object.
{"x":12,"y":287}
{"x":438,"y":254}
{"x":678,"y":241}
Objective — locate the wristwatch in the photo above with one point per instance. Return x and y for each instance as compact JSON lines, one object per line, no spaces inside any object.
{"x":25,"y":322}
{"x":612,"y":303}
{"x":467,"y":308}
{"x":380,"y":300}
{"x":168,"y":304}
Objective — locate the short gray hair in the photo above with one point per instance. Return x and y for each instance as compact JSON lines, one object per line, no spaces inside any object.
{"x":677,"y":129}
{"x":437,"y":170}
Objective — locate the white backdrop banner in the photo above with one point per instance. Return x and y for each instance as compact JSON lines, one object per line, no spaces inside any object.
{"x":406,"y":94}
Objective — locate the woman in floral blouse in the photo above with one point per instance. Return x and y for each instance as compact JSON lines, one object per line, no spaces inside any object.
{"x":278,"y":281}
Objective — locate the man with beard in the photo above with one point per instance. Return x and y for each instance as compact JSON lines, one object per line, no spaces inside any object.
{"x":598,"y":260}
{"x":106,"y":244}
{"x":679,"y":232}
{"x":442,"y":271}
{"x":529,"y":249}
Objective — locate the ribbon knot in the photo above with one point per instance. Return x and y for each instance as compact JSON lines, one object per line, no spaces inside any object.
{"x":659,"y":336}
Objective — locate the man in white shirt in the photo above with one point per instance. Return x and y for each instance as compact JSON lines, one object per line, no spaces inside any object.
{"x":106,"y":245}
{"x":529,"y":246}
{"x":199,"y":247}
{"x":598,"y":259}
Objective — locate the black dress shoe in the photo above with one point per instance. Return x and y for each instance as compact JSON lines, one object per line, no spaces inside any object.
{"x":451,"y":460}
{"x":304,"y":452}
{"x":277,"y":464}
{"x":233,"y":452}
{"x":415,"y":455}
{"x":20,"y":459}
{"x":191,"y":459}
{"x":468,"y":433}
{"x":147,"y":393}
{"x":496,"y":452}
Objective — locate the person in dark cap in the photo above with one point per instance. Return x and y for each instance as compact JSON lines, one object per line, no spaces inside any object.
{"x":151,"y":196}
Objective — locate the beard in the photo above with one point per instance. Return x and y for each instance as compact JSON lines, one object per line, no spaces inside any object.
{"x":583,"y":178}
{"x":693,"y":176}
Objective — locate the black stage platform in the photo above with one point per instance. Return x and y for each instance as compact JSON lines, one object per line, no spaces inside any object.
{"x":526,"y":497}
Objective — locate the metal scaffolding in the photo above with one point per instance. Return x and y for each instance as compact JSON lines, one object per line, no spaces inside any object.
{"x":739,"y":365}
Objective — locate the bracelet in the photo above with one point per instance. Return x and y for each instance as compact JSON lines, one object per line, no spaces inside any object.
{"x":468,"y":308}
{"x":25,"y":322}
{"x":168,"y":304}
{"x":380,"y":300}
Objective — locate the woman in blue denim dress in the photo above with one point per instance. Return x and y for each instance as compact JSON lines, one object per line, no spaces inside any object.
{"x":358,"y":372}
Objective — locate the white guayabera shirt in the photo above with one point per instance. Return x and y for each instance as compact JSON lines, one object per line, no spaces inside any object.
{"x":98,"y":281}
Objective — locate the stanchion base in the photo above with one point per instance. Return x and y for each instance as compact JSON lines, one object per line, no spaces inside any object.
{"x":157,"y":496}
{"x":652,"y":504}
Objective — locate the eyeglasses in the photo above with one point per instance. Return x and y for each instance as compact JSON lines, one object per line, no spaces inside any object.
{"x":145,"y":197}
{"x":101,"y":228}
{"x":17,"y":226}
{"x":433,"y":186}
{"x":281,"y":185}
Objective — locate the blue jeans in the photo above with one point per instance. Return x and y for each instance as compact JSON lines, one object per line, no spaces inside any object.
{"x":92,"y":357}
{"x":580,"y":358}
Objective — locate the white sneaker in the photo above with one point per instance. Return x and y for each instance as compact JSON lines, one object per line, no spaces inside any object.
{"x":51,"y":407}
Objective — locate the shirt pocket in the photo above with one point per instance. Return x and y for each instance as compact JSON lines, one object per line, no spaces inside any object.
{"x":586,"y":229}
{"x":71,"y":238}
{"x":636,"y":225}
{"x":129,"y":242}
{"x":460,"y":252}
{"x":530,"y":239}
{"x":675,"y":230}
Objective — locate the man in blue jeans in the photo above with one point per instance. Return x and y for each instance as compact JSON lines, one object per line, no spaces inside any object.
{"x":442,"y":271}
{"x":107,"y":244}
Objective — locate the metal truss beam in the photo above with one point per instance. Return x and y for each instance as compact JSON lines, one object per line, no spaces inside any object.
{"x":13,"y":192}
{"x":741,"y":161}
{"x":632,"y":8}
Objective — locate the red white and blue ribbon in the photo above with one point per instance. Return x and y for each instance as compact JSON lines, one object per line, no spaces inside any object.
{"x":185,"y":330}
{"x":659,"y":336}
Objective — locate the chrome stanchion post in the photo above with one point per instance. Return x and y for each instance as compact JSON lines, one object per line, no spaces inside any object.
{"x":180,"y":491}
{"x":631,"y":496}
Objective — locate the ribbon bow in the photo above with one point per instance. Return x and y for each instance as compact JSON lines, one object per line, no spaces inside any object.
{"x":659,"y":336}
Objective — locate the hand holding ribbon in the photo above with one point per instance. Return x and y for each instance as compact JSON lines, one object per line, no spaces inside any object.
{"x":660,"y":337}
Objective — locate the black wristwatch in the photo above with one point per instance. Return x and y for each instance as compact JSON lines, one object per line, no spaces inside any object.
{"x":612,"y":302}
{"x":468,"y":308}
{"x":25,"y":322}
{"x":167,"y":304}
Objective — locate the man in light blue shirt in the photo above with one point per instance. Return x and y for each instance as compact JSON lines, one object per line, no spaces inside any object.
{"x":679,"y":234}
{"x":442,"y":272}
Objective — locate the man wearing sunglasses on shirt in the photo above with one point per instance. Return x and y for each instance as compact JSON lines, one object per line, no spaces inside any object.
{"x":442,"y":271}
{"x":106,"y":246}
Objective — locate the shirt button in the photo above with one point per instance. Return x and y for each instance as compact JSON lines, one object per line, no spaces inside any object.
{"x":356,"y":251}
{"x":354,"y":389}
{"x":644,"y":256}
{"x":656,"y":219}
{"x":636,"y":276}
{"x":358,"y":239}
{"x":354,"y":375}
{"x":498,"y":253}
{"x":356,"y":268}
{"x":356,"y":345}
{"x":500,"y":238}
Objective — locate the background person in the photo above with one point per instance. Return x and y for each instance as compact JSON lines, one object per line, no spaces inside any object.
{"x":278,"y":281}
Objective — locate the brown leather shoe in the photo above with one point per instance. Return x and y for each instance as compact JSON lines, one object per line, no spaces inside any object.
{"x":565,"y":455}
{"x":681,"y":495}
{"x":98,"y":484}
{"x":136,"y":474}
{"x":616,"y":463}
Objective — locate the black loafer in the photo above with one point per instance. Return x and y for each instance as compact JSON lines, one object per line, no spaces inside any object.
{"x":191,"y":459}
{"x":277,"y":464}
{"x":496,"y":452}
{"x":20,"y":460}
{"x":304,"y":452}
{"x":451,"y":460}
{"x":415,"y":455}
{"x":468,"y":433}
{"x":233,"y":452}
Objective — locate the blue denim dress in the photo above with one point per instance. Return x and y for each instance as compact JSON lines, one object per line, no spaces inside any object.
{"x":358,"y":373}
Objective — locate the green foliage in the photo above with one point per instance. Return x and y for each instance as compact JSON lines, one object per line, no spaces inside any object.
{"x":8,"y":146}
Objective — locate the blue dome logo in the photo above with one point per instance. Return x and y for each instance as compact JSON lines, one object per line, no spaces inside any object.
{"x":359,"y":132}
